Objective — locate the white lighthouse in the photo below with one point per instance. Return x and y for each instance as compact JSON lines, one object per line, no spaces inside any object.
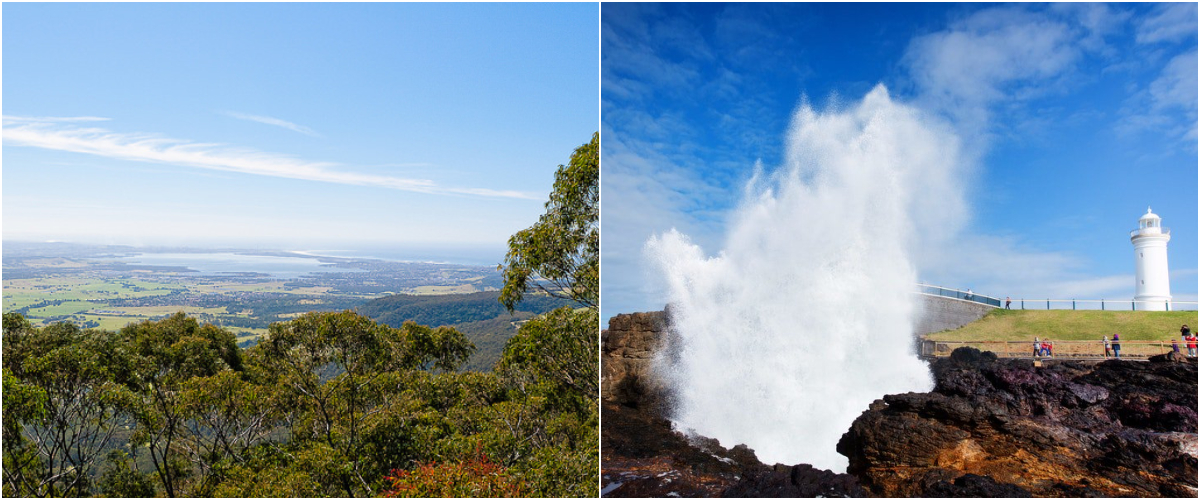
{"x":1150,"y":255}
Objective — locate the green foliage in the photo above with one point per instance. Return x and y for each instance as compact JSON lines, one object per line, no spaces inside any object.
{"x":122,"y":480}
{"x":64,"y":407}
{"x":446,"y":310}
{"x":555,"y":356}
{"x":164,"y":355}
{"x":23,"y":467}
{"x":342,"y":374}
{"x":479,"y":316}
{"x":560,"y":253}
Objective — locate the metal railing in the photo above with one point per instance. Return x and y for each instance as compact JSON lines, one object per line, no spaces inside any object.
{"x":1060,"y":349}
{"x":957,"y":294}
{"x":1105,"y":304}
{"x":1073,"y":304}
{"x":1165,"y":231}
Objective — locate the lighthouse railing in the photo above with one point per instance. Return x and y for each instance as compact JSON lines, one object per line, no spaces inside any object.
{"x":1162,"y":231}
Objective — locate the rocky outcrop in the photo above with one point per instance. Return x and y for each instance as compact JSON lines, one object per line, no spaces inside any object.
{"x":628,"y":347}
{"x":1008,"y":428}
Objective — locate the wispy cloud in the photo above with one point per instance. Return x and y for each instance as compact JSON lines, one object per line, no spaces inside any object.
{"x":272,"y":121}
{"x":52,"y":119}
{"x":58,"y":134}
{"x":1169,"y":22}
{"x":1167,"y":105}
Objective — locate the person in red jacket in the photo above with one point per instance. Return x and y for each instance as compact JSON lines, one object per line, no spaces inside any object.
{"x":1191,"y":343}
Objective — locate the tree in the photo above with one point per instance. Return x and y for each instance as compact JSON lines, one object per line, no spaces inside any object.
{"x":551,"y":370}
{"x":62,"y":407}
{"x":166,"y":354}
{"x":560,"y":253}
{"x":341,"y":372}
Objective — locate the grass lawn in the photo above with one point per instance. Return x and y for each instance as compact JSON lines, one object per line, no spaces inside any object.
{"x":1018,"y":325}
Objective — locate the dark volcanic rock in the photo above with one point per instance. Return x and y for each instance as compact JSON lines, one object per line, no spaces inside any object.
{"x":795,"y":481}
{"x":972,"y":486}
{"x":996,"y":427}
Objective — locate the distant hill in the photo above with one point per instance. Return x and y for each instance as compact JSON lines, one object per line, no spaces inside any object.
{"x":480,"y":316}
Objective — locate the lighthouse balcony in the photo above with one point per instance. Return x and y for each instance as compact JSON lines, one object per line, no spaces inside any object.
{"x":1150,"y":231}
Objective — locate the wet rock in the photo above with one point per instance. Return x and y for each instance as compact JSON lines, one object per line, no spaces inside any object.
{"x":973,"y":486}
{"x":795,"y":481}
{"x":1008,"y":428}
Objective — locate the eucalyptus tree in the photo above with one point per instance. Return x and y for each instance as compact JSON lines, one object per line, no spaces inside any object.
{"x":165,"y":355}
{"x":226,"y":415}
{"x":340,"y":374}
{"x":551,"y":367}
{"x":63,"y":405}
{"x":559,"y":254}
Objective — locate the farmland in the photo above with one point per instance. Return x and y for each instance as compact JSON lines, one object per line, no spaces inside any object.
{"x":109,"y":287}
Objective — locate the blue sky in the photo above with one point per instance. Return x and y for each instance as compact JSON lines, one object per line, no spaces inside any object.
{"x":1073,"y":119}
{"x":298,"y":126}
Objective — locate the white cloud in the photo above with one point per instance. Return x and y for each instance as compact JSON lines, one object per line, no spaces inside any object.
{"x":52,"y":119}
{"x":1169,"y":22}
{"x":1168,"y":104}
{"x":51,"y":134}
{"x":1003,"y":53}
{"x":272,"y":121}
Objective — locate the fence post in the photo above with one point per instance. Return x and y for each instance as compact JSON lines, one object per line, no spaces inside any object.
{"x":1133,"y":304}
{"x":1022,"y":304}
{"x":1168,"y":306}
{"x":1072,"y":304}
{"x":1161,"y":348}
{"x":1101,"y":304}
{"x":1047,"y":304}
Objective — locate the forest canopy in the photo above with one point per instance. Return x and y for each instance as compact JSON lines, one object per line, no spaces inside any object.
{"x":326,"y":404}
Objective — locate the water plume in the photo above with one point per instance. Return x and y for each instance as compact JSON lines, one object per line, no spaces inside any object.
{"x":806,"y":316}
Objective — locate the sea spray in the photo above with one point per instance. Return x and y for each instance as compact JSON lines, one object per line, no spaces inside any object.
{"x":806,"y":316}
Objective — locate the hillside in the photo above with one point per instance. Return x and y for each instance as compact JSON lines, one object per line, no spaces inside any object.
{"x":479,"y":316}
{"x":1016,"y":325}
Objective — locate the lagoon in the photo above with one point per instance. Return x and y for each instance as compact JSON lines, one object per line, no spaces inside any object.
{"x":217,"y":263}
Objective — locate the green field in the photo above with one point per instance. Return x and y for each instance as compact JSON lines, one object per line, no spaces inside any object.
{"x":1015,"y":325}
{"x":25,"y":292}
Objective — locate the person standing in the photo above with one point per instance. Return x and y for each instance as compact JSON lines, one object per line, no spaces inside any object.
{"x":1008,"y":302}
{"x":1116,"y":346}
{"x":1191,"y":345}
{"x":1184,"y":331}
{"x":1037,"y":347}
{"x":1107,"y":348}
